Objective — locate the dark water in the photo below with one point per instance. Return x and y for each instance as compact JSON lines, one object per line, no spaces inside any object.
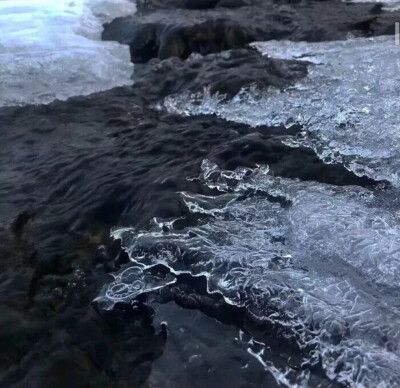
{"x":70,"y":171}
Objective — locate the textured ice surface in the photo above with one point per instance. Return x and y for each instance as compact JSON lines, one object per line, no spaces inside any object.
{"x":348,"y":105}
{"x":51,"y":49}
{"x":318,"y":263}
{"x":132,"y":282}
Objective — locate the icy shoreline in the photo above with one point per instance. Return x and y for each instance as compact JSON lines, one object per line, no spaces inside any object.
{"x":347,"y":105}
{"x":52,"y":50}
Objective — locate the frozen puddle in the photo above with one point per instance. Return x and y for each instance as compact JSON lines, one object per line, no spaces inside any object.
{"x":319,"y":263}
{"x":52,"y":50}
{"x":348,"y":104}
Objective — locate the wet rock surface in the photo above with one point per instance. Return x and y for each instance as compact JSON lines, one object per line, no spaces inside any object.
{"x":225,"y":72}
{"x":72,"y":170}
{"x":160,"y":31}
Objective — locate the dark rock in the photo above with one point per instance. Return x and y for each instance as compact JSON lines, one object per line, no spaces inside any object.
{"x":82,"y":348}
{"x":226,"y":73}
{"x":20,"y":222}
{"x":163,"y":33}
{"x":284,"y":161}
{"x":155,"y":40}
{"x":147,"y":5}
{"x":376,"y":9}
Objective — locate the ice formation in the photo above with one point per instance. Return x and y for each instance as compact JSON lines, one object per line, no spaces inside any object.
{"x":132,"y":282}
{"x":348,"y":105}
{"x":52,"y":50}
{"x":317,"y":262}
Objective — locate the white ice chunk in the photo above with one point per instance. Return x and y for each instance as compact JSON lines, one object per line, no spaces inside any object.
{"x":348,"y":104}
{"x":52,"y":50}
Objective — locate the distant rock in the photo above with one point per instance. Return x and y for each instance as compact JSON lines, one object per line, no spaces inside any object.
{"x":159,"y":31}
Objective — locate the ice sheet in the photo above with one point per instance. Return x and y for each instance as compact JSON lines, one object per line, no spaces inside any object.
{"x":318,"y":263}
{"x":51,"y":49}
{"x":348,"y":104}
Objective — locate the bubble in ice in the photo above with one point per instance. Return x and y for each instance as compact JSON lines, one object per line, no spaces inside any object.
{"x":132,"y":282}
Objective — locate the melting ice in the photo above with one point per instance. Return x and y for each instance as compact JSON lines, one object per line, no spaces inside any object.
{"x":319,"y":263}
{"x":51,"y":49}
{"x":348,"y":104}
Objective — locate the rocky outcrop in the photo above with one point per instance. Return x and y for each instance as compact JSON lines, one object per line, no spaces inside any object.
{"x":162,"y":32}
{"x":225,"y":72}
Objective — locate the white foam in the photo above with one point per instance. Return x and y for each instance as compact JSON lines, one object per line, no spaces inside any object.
{"x":348,"y":104}
{"x":51,"y":49}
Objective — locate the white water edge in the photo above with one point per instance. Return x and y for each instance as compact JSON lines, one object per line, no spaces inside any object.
{"x":348,"y":104}
{"x":51,"y":50}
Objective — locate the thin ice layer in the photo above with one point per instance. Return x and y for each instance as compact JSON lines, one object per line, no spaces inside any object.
{"x":348,"y":105}
{"x":132,"y":282}
{"x":52,"y":50}
{"x":318,"y":263}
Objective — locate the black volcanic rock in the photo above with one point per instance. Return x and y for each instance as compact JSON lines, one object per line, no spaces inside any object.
{"x":192,"y":4}
{"x":225,"y":72}
{"x":165,"y":32}
{"x":163,"y":40}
